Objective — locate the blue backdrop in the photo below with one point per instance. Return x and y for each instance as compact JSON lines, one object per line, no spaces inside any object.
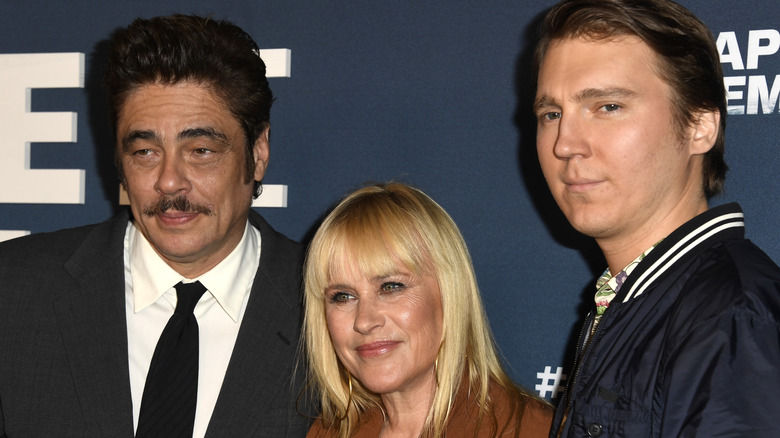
{"x":431,"y":93}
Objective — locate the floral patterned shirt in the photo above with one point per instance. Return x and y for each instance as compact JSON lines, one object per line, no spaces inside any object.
{"x":607,"y":286}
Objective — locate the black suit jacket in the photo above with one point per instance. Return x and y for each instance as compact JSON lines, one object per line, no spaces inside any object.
{"x":63,"y":339}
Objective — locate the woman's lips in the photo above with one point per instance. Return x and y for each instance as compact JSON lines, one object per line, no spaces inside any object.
{"x":376,"y":348}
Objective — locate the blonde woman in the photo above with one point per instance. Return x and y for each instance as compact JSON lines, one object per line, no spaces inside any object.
{"x":396,"y":336}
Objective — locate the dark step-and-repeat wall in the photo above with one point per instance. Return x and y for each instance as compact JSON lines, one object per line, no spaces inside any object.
{"x":432,"y":93}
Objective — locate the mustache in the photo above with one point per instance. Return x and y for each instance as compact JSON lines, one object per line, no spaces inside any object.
{"x":178,"y":203}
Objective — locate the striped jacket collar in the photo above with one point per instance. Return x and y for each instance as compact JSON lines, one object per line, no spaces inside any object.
{"x":719,"y":223}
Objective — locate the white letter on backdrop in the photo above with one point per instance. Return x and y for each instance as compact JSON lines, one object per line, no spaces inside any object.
{"x":19,"y":73}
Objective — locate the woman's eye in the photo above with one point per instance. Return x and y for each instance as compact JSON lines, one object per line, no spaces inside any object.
{"x":391,"y":286}
{"x":340,"y":297}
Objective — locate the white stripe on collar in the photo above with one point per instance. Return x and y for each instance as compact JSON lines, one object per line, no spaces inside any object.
{"x":684,"y":246}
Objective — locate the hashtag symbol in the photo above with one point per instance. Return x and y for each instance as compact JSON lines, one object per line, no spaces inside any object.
{"x":557,"y":378}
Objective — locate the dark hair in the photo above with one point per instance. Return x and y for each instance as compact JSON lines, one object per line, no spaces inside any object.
{"x":686,"y":49}
{"x":217,"y":54}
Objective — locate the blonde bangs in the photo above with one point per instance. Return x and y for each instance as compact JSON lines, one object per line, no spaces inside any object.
{"x":373,"y":239}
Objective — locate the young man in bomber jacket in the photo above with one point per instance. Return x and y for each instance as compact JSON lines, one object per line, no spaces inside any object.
{"x":631,"y":114}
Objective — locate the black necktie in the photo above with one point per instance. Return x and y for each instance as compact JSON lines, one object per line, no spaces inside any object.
{"x":171,"y":390}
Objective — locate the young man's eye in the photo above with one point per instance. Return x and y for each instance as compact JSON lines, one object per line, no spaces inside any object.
{"x":611,"y":107}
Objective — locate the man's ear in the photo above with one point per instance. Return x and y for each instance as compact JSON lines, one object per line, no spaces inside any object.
{"x":261,"y":150}
{"x":705,"y":132}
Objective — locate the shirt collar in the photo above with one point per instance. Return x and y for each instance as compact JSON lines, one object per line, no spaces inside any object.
{"x":229,"y":282}
{"x":616,"y":282}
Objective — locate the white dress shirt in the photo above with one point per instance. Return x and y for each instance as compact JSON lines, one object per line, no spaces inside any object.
{"x":150,"y":300}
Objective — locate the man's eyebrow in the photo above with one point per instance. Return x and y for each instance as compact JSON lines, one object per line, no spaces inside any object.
{"x":601,"y":93}
{"x":208,"y":132}
{"x":132,"y":136}
{"x":543,"y":102}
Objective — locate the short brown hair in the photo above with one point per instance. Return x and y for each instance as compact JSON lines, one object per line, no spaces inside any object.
{"x":688,"y":54}
{"x":215,"y":53}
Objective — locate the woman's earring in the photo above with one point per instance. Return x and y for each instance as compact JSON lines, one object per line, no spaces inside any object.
{"x":436,"y":370}
{"x":349,"y":400}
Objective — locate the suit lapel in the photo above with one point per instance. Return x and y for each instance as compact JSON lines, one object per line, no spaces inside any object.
{"x":260,"y":369}
{"x":91,"y":316}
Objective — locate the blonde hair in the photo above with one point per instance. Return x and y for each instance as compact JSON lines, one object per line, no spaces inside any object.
{"x":376,"y":227}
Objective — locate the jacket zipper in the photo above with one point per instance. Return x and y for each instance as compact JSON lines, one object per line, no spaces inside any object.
{"x":582,"y":350}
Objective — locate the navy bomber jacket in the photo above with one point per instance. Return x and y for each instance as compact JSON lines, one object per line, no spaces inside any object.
{"x":690,"y":346}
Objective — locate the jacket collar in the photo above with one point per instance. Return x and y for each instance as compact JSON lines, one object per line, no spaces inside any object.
{"x":717,"y":224}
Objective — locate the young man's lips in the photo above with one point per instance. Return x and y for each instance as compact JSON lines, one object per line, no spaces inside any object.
{"x":581,"y":185}
{"x":376,"y":348}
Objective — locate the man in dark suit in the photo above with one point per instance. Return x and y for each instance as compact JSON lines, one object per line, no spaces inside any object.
{"x":81,"y":310}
